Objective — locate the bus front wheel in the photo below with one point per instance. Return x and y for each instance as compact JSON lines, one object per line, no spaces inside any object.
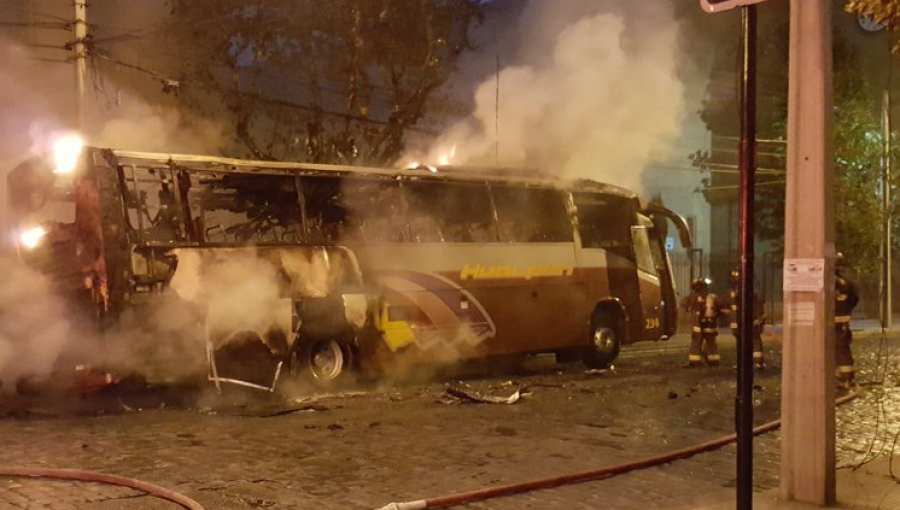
{"x":605,"y":343}
{"x":326,"y":361}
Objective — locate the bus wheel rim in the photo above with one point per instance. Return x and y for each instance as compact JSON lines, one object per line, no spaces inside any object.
{"x":604,"y":339}
{"x":327,"y":360}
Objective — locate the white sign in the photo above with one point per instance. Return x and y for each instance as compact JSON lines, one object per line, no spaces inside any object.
{"x":802,"y":314}
{"x":670,"y":243}
{"x":804,"y":275}
{"x":724,"y":5}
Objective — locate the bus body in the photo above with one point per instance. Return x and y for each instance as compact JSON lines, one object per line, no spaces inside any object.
{"x":369,"y":263}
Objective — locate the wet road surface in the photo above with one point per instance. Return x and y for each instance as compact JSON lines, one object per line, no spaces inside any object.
{"x":404,"y":441}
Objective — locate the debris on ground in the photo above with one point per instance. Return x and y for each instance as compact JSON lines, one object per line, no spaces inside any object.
{"x":267,"y":411}
{"x":80,"y":380}
{"x":453,"y":393}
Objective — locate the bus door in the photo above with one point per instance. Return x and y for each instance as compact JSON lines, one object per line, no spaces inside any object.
{"x":607,"y":256}
{"x":660,"y":218}
{"x":653,"y":319}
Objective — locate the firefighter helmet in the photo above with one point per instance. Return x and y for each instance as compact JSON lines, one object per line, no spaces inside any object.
{"x":700,"y":284}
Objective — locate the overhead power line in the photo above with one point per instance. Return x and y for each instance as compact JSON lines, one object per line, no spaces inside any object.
{"x":35,"y":24}
{"x":166,"y":80}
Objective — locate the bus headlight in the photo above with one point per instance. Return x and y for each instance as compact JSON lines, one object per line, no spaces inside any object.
{"x":31,"y":238}
{"x":66,"y":151}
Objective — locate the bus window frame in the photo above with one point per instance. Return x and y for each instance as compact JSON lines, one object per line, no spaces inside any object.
{"x":201,"y":231}
{"x":483,"y":186}
{"x":642,"y":250}
{"x":558,"y":229}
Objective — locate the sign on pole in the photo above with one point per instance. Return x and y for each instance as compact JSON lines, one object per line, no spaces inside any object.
{"x":724,"y":5}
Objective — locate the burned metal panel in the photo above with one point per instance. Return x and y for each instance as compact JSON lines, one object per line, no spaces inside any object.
{"x":89,"y":240}
{"x":254,"y":288}
{"x":151,"y":204}
{"x":244,"y":209}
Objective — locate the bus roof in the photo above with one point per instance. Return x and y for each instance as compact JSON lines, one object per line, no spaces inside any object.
{"x":457,"y":173}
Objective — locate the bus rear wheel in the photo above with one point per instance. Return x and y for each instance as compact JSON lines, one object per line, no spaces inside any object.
{"x":325,"y":361}
{"x":605,"y":343}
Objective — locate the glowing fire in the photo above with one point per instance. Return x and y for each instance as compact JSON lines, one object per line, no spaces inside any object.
{"x":442,"y":160}
{"x":66,"y":151}
{"x":415,"y":165}
{"x":30,"y":238}
{"x":445,"y":159}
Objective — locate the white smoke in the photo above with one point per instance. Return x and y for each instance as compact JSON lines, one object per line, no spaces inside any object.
{"x":221,"y":298}
{"x":34,"y":327}
{"x":136,"y":125}
{"x":594,"y":93}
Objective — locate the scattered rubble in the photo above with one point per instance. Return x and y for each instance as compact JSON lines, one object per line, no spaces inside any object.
{"x":472,"y":396}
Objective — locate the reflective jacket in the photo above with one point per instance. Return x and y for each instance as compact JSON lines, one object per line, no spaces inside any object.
{"x":846,"y":299}
{"x":704,"y":312}
{"x":759,"y":312}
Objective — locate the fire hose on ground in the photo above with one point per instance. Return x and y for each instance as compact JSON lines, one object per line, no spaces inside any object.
{"x":442,"y":501}
{"x":595,"y":474}
{"x":90,"y":476}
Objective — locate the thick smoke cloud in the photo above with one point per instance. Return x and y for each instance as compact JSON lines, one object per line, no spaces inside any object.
{"x":594,"y":92}
{"x":34,"y":328}
{"x":226,"y":297}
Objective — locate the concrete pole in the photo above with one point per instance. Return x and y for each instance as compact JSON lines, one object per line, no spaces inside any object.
{"x":80,"y":55}
{"x":808,"y":381}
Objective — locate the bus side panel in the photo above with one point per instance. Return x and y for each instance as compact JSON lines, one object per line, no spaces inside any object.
{"x":517,"y":299}
{"x":613,"y":278}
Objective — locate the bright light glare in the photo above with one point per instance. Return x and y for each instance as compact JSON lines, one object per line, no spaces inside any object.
{"x":31,"y":238}
{"x":66,"y":151}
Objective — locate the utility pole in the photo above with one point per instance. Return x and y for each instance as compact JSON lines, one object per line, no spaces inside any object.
{"x":744,"y":396}
{"x":80,"y":55}
{"x":808,"y":383}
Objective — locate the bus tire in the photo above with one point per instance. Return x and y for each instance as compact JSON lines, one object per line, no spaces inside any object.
{"x":325,"y":361}
{"x":605,"y":341}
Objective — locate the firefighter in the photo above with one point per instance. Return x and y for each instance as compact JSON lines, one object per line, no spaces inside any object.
{"x":846,"y":299}
{"x":704,"y":309}
{"x":759,"y":316}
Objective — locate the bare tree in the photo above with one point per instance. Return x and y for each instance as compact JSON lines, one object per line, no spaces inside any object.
{"x":341,"y":81}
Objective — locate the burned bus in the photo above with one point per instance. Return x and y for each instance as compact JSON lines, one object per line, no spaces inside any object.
{"x":357,"y":266}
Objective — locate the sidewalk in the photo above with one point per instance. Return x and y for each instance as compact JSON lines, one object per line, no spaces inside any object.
{"x":870,"y":487}
{"x":862,"y":328}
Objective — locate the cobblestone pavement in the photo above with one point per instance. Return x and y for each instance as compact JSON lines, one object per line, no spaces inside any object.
{"x":365,"y":448}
